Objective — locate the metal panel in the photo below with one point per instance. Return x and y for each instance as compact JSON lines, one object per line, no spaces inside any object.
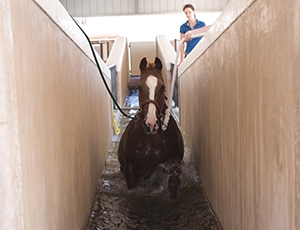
{"x":70,"y":6}
{"x":78,"y":7}
{"x":101,"y":7}
{"x":132,"y":6}
{"x":148,"y":6}
{"x":141,"y":6}
{"x":116,"y":6}
{"x":163,"y":5}
{"x":179,"y":4}
{"x":93,"y":7}
{"x":209,"y":5}
{"x":64,"y":3}
{"x":223,"y":3}
{"x":86,"y":7}
{"x":124,"y":7}
{"x":113,"y":76}
{"x":216,"y":4}
{"x":171,"y":6}
{"x":155,"y":6}
{"x":109,"y":7}
{"x":199,"y":5}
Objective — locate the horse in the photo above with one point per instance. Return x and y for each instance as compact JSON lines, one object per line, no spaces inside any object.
{"x":144,"y":145}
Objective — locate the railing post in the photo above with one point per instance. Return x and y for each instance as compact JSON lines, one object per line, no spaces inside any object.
{"x":175,"y":93}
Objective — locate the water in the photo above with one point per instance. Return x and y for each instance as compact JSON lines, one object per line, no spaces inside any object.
{"x":132,"y":100}
{"x":149,"y":206}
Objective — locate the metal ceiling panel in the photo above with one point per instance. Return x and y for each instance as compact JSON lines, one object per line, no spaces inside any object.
{"x":86,"y":8}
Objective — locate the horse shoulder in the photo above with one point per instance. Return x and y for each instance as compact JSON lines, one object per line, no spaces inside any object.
{"x":175,"y":136}
{"x":131,"y":136}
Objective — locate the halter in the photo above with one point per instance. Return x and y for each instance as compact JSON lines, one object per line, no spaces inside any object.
{"x":146,"y":102}
{"x":159,"y":108}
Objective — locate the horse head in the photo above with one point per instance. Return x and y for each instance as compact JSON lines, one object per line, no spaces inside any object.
{"x":151,"y":95}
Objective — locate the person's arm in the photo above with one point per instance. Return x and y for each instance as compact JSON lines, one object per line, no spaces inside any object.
{"x":189,"y":35}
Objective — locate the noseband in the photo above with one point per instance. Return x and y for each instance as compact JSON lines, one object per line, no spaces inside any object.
{"x":159,"y":108}
{"x":146,"y":102}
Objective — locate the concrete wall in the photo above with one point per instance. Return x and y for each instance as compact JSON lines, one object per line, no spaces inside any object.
{"x":55,"y":122}
{"x":243,"y":123}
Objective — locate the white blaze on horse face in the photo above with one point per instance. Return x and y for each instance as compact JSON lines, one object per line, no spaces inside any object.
{"x":151,"y":119}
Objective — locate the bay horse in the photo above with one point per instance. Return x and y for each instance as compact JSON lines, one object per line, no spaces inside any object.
{"x":144,"y":145}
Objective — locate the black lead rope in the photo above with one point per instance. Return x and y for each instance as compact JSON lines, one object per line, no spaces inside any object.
{"x":100,"y":71}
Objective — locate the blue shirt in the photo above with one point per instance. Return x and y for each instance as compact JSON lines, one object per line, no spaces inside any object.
{"x":184,"y":28}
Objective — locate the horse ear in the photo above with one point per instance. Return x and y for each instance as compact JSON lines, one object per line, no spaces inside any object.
{"x":143,"y":64}
{"x":158,"y":63}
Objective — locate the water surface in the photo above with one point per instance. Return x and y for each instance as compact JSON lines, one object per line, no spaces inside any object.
{"x":149,"y":206}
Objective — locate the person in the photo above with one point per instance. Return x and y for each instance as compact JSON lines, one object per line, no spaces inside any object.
{"x":191,"y":27}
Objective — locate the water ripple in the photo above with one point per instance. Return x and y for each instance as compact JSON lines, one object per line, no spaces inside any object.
{"x":149,"y":206}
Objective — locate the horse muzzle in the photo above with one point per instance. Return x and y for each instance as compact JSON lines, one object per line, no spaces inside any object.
{"x":151,"y":126}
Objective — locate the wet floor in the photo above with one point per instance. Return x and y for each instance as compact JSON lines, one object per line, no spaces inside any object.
{"x":149,"y":206}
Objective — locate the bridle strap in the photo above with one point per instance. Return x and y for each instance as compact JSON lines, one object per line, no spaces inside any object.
{"x":146,"y":102}
{"x":159,"y":108}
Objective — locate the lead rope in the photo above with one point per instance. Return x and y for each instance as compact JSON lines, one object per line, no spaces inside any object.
{"x":174,"y":75}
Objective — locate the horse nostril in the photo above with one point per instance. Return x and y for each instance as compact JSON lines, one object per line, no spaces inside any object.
{"x":151,"y":127}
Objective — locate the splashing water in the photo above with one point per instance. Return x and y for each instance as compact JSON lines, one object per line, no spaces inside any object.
{"x":149,"y":206}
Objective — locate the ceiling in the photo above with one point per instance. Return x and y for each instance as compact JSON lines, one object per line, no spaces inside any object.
{"x":93,"y":8}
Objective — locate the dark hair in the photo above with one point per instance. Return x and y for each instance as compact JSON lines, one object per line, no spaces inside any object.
{"x":188,"y":6}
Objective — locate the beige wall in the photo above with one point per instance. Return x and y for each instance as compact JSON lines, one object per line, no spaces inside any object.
{"x":165,"y":51}
{"x":243,"y":123}
{"x":139,"y":50}
{"x":296,"y":83}
{"x":55,"y":124}
{"x":11,"y":202}
{"x":119,"y":57}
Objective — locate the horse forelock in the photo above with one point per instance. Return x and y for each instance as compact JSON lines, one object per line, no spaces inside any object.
{"x":151,"y":71}
{"x":150,"y":66}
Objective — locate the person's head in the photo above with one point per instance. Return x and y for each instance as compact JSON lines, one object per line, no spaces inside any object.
{"x":189,"y":11}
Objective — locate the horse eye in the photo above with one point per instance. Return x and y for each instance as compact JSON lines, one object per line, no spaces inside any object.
{"x":162,"y":88}
{"x":140,"y":88}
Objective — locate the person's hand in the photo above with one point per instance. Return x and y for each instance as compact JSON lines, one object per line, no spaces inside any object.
{"x":180,"y":61}
{"x":188,"y":36}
